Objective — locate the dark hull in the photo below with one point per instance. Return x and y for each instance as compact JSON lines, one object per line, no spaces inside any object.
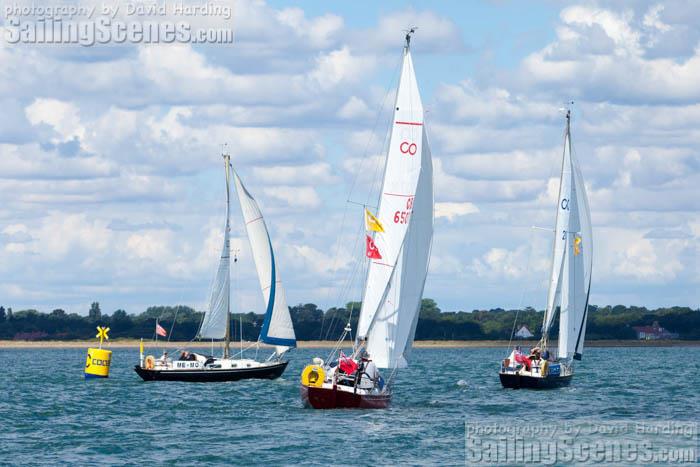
{"x":515,"y":381}
{"x":211,"y":376}
{"x":322,"y":398}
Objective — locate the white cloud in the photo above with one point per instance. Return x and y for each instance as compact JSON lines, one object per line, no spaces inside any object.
{"x":297,"y":197}
{"x":63,"y":117}
{"x":452,"y":210}
{"x":319,"y":173}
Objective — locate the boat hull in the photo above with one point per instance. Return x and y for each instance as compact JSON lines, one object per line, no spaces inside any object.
{"x":213,"y":375}
{"x":516,"y":381}
{"x":332,"y":398}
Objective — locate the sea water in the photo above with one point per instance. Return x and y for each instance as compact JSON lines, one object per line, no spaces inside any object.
{"x":50,"y":415}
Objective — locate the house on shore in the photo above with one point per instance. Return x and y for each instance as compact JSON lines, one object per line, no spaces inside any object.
{"x":654,"y":332}
{"x":524,"y":333}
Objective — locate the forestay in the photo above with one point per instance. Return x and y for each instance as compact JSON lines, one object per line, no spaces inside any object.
{"x":394,"y":286}
{"x":277,"y":327}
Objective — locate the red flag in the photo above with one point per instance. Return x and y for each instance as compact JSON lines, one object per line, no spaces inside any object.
{"x":347,"y":365}
{"x":372,"y":251}
{"x":520,"y":358}
{"x":160,"y":330}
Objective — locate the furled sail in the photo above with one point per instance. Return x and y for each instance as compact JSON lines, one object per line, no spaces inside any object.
{"x":215,"y":318}
{"x":277,"y":328}
{"x":570,"y":276}
{"x":394,"y":286}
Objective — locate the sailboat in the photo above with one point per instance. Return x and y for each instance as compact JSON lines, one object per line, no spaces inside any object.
{"x":277,"y":329}
{"x":569,"y":288}
{"x":398,"y":246}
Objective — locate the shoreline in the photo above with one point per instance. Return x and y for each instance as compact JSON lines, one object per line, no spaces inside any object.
{"x":427,"y":344}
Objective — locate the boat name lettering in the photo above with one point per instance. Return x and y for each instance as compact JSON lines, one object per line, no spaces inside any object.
{"x":187,"y":364}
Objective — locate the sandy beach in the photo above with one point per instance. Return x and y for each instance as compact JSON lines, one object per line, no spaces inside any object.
{"x":134,"y":343}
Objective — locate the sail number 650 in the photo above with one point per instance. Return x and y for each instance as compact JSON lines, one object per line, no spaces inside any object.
{"x":402,"y":217}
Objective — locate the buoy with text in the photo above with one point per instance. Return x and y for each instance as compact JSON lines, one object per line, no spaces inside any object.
{"x":98,"y":360}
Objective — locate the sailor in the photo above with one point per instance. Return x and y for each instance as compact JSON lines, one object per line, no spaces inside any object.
{"x":164,"y":358}
{"x":368,"y":372}
{"x":183,"y":355}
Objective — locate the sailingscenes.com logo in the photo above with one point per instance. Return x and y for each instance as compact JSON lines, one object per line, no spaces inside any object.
{"x":118,"y":23}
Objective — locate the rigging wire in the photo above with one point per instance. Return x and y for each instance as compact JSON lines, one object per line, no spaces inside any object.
{"x":349,"y":201}
{"x":522,"y":295}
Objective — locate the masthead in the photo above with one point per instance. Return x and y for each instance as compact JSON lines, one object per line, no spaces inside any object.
{"x":408,"y":32}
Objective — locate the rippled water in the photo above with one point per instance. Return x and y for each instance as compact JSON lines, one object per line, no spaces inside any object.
{"x":50,"y":414}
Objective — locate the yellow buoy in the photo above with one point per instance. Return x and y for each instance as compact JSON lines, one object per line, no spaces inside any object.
{"x":313,"y":375}
{"x":98,"y":360}
{"x":97,"y":363}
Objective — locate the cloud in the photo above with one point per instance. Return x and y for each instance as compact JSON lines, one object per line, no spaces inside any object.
{"x":598,"y":49}
{"x":111,"y":156}
{"x":297,"y":197}
{"x":319,"y":173}
{"x":452,"y":210}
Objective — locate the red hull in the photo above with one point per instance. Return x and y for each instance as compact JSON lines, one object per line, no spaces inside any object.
{"x":323,"y":398}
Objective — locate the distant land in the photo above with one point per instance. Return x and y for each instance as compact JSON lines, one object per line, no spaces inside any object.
{"x":609,"y":323}
{"x":152,"y":346}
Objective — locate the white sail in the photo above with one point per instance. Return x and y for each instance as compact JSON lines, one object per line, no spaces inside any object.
{"x":585,"y":254}
{"x":570,"y":278}
{"x":394,"y":286}
{"x":277,"y":327}
{"x":215,"y":318}
{"x":562,"y":225}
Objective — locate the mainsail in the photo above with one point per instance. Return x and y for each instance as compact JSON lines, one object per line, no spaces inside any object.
{"x":394,"y":286}
{"x":215,"y":321}
{"x":277,"y":328}
{"x":570,"y":277}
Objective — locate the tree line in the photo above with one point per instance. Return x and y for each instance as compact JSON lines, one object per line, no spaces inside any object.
{"x":312,"y":323}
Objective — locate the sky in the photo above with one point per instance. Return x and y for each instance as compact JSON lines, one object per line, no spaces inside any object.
{"x":112,"y":184}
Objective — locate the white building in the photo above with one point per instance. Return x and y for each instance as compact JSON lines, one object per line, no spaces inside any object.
{"x":524,"y":333}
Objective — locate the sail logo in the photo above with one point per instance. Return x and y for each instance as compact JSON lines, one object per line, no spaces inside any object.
{"x":565,"y":204}
{"x":408,"y":148}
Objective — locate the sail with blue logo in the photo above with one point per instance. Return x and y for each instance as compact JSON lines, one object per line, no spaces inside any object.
{"x":277,"y":328}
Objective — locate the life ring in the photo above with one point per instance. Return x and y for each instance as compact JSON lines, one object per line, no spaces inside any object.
{"x":545,"y":368}
{"x":313,"y":376}
{"x":149,"y":362}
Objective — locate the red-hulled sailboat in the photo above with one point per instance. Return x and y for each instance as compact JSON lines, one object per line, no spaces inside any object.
{"x":398,"y":250}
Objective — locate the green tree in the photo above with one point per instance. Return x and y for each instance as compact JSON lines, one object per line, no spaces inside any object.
{"x":95,"y":314}
{"x":119,"y":315}
{"x":58,"y":313}
{"x":2,"y":314}
{"x":429,"y":309}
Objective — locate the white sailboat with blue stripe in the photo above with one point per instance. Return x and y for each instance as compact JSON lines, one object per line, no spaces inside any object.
{"x":277,"y":328}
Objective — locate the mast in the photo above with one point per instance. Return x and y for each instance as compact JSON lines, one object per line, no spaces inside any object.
{"x":227,"y":337}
